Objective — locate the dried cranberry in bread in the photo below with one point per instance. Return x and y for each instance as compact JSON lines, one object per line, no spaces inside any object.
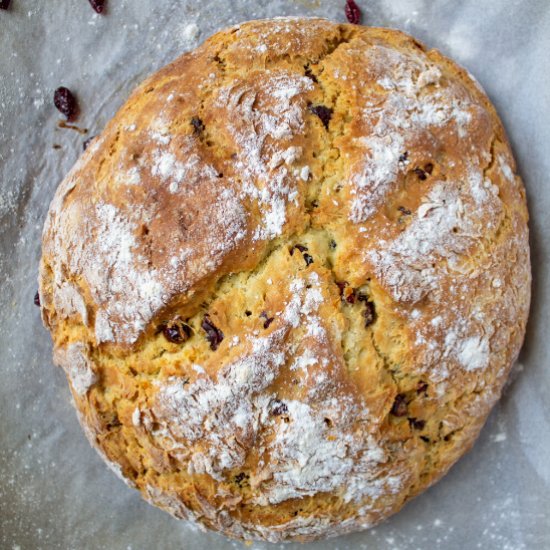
{"x":289,"y":279}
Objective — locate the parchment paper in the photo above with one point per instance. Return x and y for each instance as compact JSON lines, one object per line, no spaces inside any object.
{"x":55,"y":492}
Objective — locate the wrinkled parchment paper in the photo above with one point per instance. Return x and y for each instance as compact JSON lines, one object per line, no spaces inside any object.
{"x":55,"y":492}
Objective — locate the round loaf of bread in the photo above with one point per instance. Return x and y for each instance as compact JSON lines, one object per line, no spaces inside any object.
{"x":289,"y":279}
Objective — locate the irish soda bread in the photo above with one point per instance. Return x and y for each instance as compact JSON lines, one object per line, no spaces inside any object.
{"x":289,"y":279}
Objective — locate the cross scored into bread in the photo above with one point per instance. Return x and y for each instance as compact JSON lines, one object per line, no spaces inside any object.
{"x":289,"y":279}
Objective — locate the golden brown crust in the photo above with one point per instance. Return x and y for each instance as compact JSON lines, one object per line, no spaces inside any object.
{"x":329,"y":218}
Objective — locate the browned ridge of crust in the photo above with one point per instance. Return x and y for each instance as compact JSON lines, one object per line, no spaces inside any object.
{"x":289,"y":279}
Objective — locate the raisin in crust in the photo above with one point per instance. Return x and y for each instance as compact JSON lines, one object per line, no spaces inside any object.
{"x":288,"y":281}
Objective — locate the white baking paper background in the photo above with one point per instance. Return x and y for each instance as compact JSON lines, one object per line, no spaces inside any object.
{"x":55,"y":492}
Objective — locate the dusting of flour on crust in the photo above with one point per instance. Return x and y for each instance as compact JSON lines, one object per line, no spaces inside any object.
{"x":78,"y":366}
{"x":307,"y":455}
{"x":412,"y":103}
{"x":263,"y":135}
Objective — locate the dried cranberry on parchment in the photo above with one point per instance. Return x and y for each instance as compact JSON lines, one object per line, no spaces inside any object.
{"x":65,"y":102}
{"x":97,"y":5}
{"x":353,"y":13}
